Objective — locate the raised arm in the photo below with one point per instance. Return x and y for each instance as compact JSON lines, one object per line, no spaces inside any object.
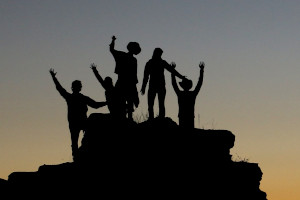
{"x":200,"y":81}
{"x":58,"y":86}
{"x":146,"y":78}
{"x":172,"y":70}
{"x":112,"y":45}
{"x":174,"y":83}
{"x":98,"y":76}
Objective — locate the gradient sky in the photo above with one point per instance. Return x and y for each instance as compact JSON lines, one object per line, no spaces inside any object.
{"x":251,"y":83}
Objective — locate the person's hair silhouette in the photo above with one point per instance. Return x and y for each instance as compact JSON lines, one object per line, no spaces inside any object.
{"x":77,"y":109}
{"x":116,"y":106}
{"x":126,"y":69}
{"x":187,"y":98}
{"x":154,"y":70}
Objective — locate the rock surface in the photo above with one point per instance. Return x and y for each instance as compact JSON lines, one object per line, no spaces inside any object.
{"x":155,"y":159}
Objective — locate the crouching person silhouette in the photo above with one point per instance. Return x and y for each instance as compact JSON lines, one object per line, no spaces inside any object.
{"x":116,"y":106}
{"x":77,"y":109}
{"x":187,"y":98}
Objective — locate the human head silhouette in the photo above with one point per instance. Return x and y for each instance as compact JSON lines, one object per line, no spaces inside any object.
{"x":76,"y":86}
{"x":186,"y":84}
{"x":157,"y":53}
{"x":108,"y":82}
{"x":134,"y":48}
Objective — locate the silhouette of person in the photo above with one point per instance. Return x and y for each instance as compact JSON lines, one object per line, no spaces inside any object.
{"x":116,"y":106}
{"x":77,"y":109}
{"x":187,"y":98}
{"x":154,"y":70}
{"x":126,"y":69}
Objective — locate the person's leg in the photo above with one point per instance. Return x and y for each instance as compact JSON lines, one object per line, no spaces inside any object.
{"x":74,"y":130}
{"x":192,"y":122}
{"x":151,"y":97}
{"x":122,"y":96}
{"x":161,"y":102}
{"x":132,"y":100}
{"x":129,"y":106}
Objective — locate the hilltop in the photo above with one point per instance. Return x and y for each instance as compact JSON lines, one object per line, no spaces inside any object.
{"x":156,"y":159}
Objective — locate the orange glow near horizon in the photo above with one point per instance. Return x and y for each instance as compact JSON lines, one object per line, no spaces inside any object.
{"x":251,"y":79}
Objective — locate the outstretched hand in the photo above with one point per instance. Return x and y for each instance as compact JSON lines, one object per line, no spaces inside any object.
{"x":52,"y":72}
{"x":173,"y":65}
{"x":201,"y":65}
{"x":113,"y":38}
{"x":93,"y":66}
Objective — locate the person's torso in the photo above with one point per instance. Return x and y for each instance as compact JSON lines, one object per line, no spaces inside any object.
{"x":114,"y":101}
{"x":186,"y":103}
{"x":156,"y":72}
{"x":77,"y":106}
{"x":126,"y":67}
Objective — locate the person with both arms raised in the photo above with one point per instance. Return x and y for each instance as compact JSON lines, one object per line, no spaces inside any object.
{"x":187,"y":98}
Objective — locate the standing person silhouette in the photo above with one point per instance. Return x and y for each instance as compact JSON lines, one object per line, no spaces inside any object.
{"x":116,"y":106}
{"x":77,"y":109}
{"x":126,"y":69}
{"x":154,"y":70}
{"x":187,"y":98}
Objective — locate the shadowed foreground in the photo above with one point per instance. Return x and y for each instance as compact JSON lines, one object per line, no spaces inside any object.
{"x":156,"y":159}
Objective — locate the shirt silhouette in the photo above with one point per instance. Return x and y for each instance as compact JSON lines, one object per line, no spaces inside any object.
{"x":154,"y":70}
{"x":187,"y":98}
{"x":77,"y":109}
{"x":116,"y":106}
{"x":126,"y":69}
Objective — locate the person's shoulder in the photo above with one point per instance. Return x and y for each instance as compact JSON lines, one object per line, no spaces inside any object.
{"x":149,"y":61}
{"x":123,"y":52}
{"x":164,"y":62}
{"x":119,"y":53}
{"x":80,"y":95}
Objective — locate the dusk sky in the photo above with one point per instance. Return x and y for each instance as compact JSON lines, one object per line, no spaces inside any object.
{"x":251,"y":85}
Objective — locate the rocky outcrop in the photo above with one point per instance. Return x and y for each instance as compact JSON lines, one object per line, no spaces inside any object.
{"x":155,"y":159}
{"x":3,"y":185}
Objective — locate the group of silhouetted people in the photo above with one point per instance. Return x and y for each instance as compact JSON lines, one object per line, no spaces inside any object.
{"x":122,"y":98}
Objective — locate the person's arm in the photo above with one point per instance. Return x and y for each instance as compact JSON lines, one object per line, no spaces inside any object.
{"x":98,"y":76}
{"x":112,"y":45}
{"x":174,"y":83}
{"x":94,"y":104}
{"x":200,"y":81}
{"x":172,"y":70}
{"x":145,"y":79}
{"x":58,"y":86}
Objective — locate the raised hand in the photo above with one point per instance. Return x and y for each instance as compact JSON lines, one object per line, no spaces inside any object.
{"x":173,"y":64}
{"x":113,"y":38}
{"x":52,"y":72}
{"x":93,"y":66}
{"x":201,"y":65}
